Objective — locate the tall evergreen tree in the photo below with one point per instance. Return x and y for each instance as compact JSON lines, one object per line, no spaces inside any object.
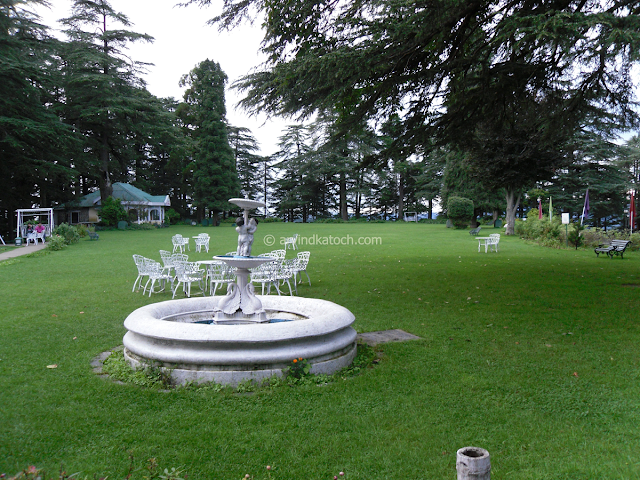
{"x":102,"y":88}
{"x":215,"y":179}
{"x":509,"y":82}
{"x":248,"y":164}
{"x":33,"y":141}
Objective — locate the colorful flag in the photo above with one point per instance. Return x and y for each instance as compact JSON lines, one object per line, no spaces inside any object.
{"x":585,"y":209}
{"x":550,"y":210}
{"x":632,"y":211}
{"x":539,"y":209}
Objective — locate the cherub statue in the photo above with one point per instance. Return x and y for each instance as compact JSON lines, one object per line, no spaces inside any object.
{"x":245,"y":235}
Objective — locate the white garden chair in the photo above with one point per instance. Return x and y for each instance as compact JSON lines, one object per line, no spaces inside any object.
{"x":180,"y":242}
{"x":279,"y":254}
{"x":494,"y":240}
{"x":201,"y":241}
{"x":284,"y":273}
{"x":157,"y":273}
{"x":302,"y":260}
{"x":141,"y":265}
{"x":291,"y":242}
{"x":188,"y":273}
{"x":170,"y":259}
{"x":219,"y":274}
{"x":265,"y":275}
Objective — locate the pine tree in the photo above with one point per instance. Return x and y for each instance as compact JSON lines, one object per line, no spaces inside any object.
{"x":102,"y":88}
{"x":215,"y":179}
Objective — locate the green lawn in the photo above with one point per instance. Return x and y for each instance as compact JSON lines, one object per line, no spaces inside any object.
{"x":531,"y":353}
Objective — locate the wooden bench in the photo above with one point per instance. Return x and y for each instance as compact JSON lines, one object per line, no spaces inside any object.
{"x":93,"y":236}
{"x":615,"y":247}
{"x":475,"y":231}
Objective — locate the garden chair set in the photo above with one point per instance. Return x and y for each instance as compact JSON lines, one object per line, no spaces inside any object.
{"x":175,"y":267}
{"x":154,"y":271}
{"x":177,"y":270}
{"x":490,"y":243}
{"x":280,"y":271}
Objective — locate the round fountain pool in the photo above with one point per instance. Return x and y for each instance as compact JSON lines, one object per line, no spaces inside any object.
{"x":179,"y":335}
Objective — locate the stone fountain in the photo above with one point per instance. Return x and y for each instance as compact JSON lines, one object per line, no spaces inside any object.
{"x":240,"y":336}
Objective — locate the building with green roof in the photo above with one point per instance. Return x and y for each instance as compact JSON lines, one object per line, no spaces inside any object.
{"x":141,"y":207}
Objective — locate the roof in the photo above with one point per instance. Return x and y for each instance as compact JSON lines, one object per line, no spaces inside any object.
{"x":128,"y":194}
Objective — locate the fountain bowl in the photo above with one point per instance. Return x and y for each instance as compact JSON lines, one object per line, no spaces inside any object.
{"x":167,"y":335}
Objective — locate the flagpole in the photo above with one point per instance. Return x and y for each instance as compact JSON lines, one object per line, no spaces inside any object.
{"x":585,"y":207}
{"x":632,"y":211}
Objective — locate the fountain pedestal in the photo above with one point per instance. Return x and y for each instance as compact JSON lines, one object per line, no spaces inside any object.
{"x":241,"y":305}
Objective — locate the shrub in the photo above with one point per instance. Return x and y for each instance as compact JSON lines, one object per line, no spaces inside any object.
{"x":171,"y":216}
{"x":112,"y":212}
{"x":575,"y":235}
{"x":141,"y":226}
{"x":270,"y":219}
{"x":68,"y":232}
{"x":83,"y":230}
{"x":460,"y":211}
{"x":56,"y":242}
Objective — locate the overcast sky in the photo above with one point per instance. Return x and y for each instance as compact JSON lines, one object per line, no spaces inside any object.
{"x":182,"y":40}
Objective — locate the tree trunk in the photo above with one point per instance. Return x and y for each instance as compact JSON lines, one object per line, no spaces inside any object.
{"x":430,"y":209}
{"x":400,"y":195}
{"x":343,"y":197}
{"x":513,"y":201}
{"x":106,"y":188}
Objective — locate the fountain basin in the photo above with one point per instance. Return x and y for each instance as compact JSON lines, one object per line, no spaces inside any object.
{"x":166,"y":335}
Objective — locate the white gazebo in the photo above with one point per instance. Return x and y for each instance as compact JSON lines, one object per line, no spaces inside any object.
{"x":26,"y":214}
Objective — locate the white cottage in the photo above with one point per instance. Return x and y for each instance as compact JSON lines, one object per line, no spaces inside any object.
{"x":140,"y":205}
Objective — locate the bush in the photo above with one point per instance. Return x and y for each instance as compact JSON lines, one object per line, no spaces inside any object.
{"x":171,"y":216}
{"x":68,"y":232}
{"x":56,"y":242}
{"x":270,"y":220}
{"x":112,"y":212}
{"x":83,"y":230}
{"x":140,"y":226}
{"x":329,"y":220}
{"x":460,"y":211}
{"x":575,"y":235}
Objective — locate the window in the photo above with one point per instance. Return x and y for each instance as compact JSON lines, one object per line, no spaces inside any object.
{"x":154,"y":215}
{"x":75,"y":217}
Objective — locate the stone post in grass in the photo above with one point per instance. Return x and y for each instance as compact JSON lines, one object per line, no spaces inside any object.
{"x":473,"y":463}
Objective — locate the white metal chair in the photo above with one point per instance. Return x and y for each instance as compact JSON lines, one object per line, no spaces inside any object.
{"x":202,"y":240}
{"x":141,"y":265}
{"x":186,"y":274}
{"x":302,"y":260}
{"x":31,"y":237}
{"x":179,"y":243}
{"x":170,"y":259}
{"x":157,"y":273}
{"x":284,"y":273}
{"x":291,"y":242}
{"x":219,"y":274}
{"x":494,"y":241}
{"x":279,"y":254}
{"x":265,"y":274}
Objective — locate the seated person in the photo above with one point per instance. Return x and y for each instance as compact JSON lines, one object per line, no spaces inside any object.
{"x":40,"y":229}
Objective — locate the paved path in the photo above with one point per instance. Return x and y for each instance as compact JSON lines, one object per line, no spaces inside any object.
{"x":17,"y":251}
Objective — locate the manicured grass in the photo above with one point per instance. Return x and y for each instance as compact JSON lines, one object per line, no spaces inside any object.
{"x":531,"y":353}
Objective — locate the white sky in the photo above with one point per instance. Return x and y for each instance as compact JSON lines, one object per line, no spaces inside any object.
{"x":182,"y":40}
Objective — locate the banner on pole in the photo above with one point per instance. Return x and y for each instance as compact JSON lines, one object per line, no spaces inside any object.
{"x":585,"y":209}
